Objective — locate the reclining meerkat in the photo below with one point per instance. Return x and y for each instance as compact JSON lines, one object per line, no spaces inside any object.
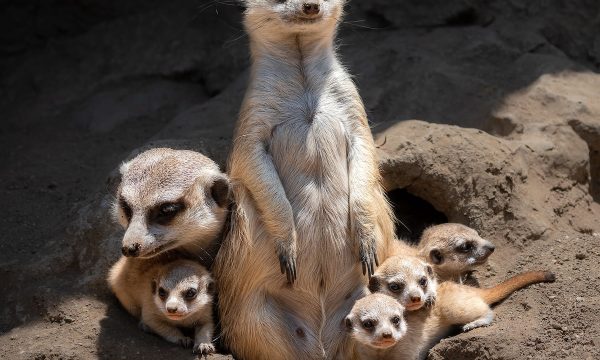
{"x":167,"y":295}
{"x":171,"y":199}
{"x":311,"y":211}
{"x":432,"y":308}
{"x":453,"y":250}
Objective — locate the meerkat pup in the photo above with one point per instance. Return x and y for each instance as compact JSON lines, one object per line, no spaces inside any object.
{"x":311,"y":213}
{"x":432,"y":308}
{"x":167,"y":295}
{"x":171,"y":199}
{"x":454,"y":250}
{"x":376,"y":320}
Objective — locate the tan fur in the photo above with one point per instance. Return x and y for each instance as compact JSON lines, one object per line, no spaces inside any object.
{"x":307,"y":192}
{"x":188,"y":185}
{"x":136,"y":281}
{"x":450,"y":304}
{"x":454,"y":250}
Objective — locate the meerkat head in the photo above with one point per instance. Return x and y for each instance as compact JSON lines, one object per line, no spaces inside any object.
{"x":409,"y":280}
{"x":454,"y":249}
{"x":292,"y":16}
{"x":170,"y":198}
{"x":181,"y":289}
{"x":377,"y":320}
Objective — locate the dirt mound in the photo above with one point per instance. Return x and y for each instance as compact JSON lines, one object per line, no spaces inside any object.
{"x":509,"y":144}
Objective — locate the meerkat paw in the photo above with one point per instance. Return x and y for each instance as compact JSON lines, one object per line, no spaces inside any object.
{"x":287,"y":262}
{"x":204,"y":349}
{"x":481,"y":322}
{"x":368,"y":257}
{"x":186,"y":342}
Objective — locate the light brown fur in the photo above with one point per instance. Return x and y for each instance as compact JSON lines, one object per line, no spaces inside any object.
{"x":307,"y":192}
{"x":136,"y":283}
{"x":431,"y":318}
{"x":171,"y":199}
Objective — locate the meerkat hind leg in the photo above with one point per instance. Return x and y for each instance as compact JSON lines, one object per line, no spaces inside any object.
{"x":482,"y":321}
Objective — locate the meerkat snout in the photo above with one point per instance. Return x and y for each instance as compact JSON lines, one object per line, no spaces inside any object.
{"x":168,"y":199}
{"x":311,"y":9}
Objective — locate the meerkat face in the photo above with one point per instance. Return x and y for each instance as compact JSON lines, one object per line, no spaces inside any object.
{"x":376,"y":320}
{"x":292,"y":16}
{"x":169,"y":198}
{"x":454,"y":248}
{"x":183,"y":289}
{"x":407,"y":279}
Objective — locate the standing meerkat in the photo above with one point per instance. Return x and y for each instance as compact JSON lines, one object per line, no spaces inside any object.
{"x":167,"y":295}
{"x":432,"y":308}
{"x":311,"y":212}
{"x":172,"y":199}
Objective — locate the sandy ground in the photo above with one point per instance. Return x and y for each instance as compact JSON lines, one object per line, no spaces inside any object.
{"x":509,"y":143}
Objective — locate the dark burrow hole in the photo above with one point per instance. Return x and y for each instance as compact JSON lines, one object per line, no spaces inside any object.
{"x":413,"y":214}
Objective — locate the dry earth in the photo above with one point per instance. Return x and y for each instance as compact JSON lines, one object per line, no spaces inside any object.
{"x":508,"y":142}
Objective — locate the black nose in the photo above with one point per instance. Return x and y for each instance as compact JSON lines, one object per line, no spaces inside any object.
{"x":131,"y":250}
{"x":489,"y":248}
{"x":171,"y":310}
{"x":415,"y":299}
{"x":310,"y":8}
{"x":386,"y":335}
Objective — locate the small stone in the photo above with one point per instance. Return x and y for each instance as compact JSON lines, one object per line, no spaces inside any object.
{"x":579,"y":299}
{"x":13,"y":337}
{"x":580,"y":256}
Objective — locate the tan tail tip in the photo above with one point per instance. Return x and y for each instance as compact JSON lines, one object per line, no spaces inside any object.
{"x":549,"y":277}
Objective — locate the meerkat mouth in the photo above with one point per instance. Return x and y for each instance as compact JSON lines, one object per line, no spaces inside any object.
{"x":413,"y":307}
{"x":304,"y":20}
{"x":157,"y":250}
{"x":383,"y":344}
{"x":175,"y":316}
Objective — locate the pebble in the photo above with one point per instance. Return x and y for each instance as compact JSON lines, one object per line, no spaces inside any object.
{"x":579,"y":299}
{"x":580,"y":256}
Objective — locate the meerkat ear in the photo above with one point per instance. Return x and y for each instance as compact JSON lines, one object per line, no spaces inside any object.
{"x":436,"y":257}
{"x":374,"y":284}
{"x":210,"y":287}
{"x":221,"y":191}
{"x":349,"y":325}
{"x":154,"y":286}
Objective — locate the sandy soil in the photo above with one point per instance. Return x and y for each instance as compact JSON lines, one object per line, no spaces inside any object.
{"x":508,"y":94}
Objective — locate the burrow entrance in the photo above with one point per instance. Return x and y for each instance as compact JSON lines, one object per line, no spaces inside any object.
{"x":413,"y":215}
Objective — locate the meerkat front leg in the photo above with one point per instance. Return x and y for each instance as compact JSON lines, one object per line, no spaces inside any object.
{"x":362,"y":178}
{"x":253,"y":166}
{"x":203,"y":335}
{"x":151,"y":323}
{"x":485,"y":320}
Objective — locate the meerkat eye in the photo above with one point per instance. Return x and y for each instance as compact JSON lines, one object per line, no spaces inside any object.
{"x":126,"y":208}
{"x":395,"y":320}
{"x":368,"y":324}
{"x":162,"y":293}
{"x":190,"y":294}
{"x":465,"y":247}
{"x":166,"y":212}
{"x":395,"y":287}
{"x":423,"y":281}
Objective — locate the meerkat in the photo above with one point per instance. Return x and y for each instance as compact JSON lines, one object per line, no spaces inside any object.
{"x":167,"y":295}
{"x":171,"y":199}
{"x":311,"y":217}
{"x":453,"y":250}
{"x":432,"y":308}
{"x":377,"y":320}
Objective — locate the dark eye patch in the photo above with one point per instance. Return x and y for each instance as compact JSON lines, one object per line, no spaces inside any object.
{"x":396,"y":287}
{"x":368,"y":324}
{"x":126,"y":208}
{"x":164,"y":213}
{"x":465,"y":247}
{"x":190,"y":294}
{"x":162,"y":293}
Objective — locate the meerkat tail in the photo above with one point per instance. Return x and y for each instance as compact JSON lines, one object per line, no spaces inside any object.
{"x":504,"y":289}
